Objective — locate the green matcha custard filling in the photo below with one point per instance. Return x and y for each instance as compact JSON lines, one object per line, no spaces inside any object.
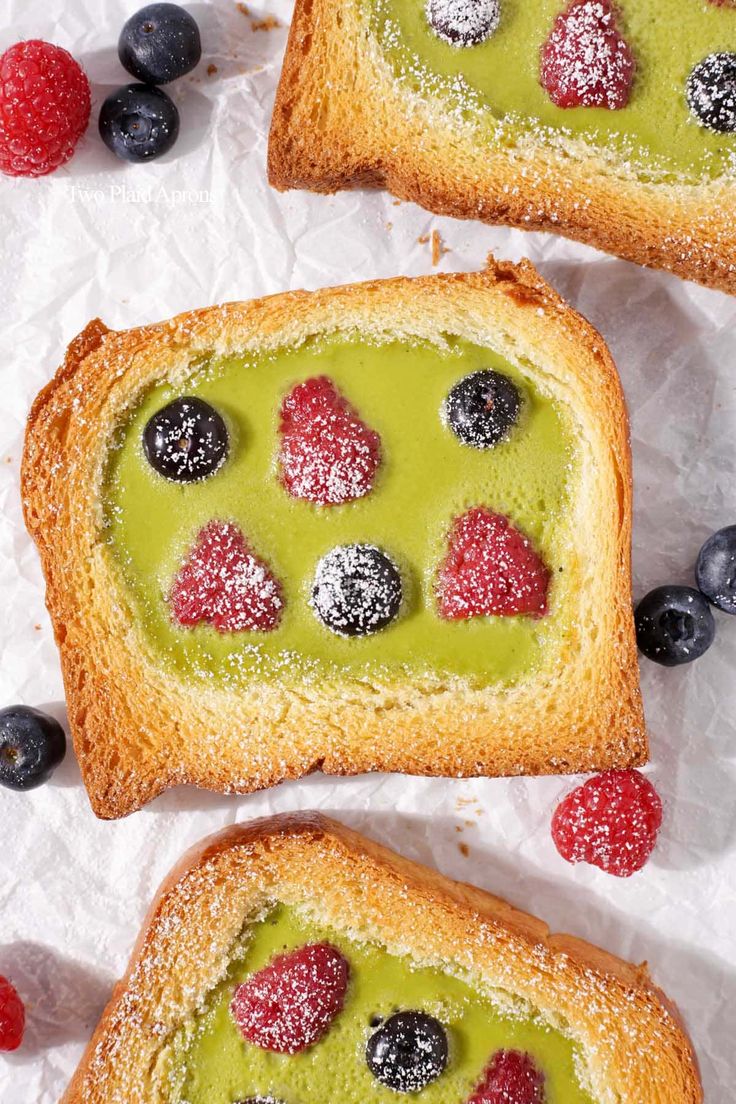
{"x":211,"y":1063}
{"x":425,"y":480}
{"x":496,"y":83}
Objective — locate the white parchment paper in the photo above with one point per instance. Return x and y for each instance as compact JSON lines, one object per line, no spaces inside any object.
{"x":136,"y":244}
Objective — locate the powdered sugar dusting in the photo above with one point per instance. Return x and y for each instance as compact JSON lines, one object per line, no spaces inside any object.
{"x":225,"y":584}
{"x":357,"y":590}
{"x":289,"y":1005}
{"x":463,"y":22}
{"x":328,"y":455}
{"x":711,"y":92}
{"x":585,"y":61}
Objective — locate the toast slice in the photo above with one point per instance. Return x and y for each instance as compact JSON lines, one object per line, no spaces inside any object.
{"x":595,"y":1027}
{"x":153,"y":702}
{"x":371,"y":96}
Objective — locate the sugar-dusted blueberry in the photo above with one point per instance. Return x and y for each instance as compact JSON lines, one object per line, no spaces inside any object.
{"x":711,"y":92}
{"x":357,"y":590}
{"x":186,"y":440}
{"x":674,"y":625}
{"x":160,"y":43}
{"x":139,"y":123}
{"x":408,"y":1052}
{"x":463,"y":22}
{"x":482,"y":408}
{"x":32,"y":744}
{"x":715,"y":570}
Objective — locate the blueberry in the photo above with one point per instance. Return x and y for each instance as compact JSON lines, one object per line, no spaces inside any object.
{"x":160,"y":43}
{"x":32,"y":745}
{"x":139,"y":123}
{"x":463,"y":22}
{"x":715,"y":571}
{"x":408,"y":1052}
{"x":357,"y":590}
{"x":711,"y":92}
{"x":186,"y":440}
{"x":674,"y":625}
{"x":482,"y":408}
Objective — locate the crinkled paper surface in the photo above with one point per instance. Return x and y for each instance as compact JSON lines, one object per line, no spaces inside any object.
{"x":136,"y":244}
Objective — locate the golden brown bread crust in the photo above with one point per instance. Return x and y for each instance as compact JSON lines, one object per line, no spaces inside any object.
{"x":341,"y":120}
{"x":633,"y":1043}
{"x":138,"y":728}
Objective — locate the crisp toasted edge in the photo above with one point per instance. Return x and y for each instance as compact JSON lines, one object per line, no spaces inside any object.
{"x":138,"y":730}
{"x":634,"y":1043}
{"x":341,"y":120}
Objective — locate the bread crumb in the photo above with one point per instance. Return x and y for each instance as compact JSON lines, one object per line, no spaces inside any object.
{"x":268,"y":23}
{"x":438,"y":248}
{"x":243,"y":9}
{"x":423,"y":239}
{"x":37,"y":628}
{"x":211,"y":70}
{"x":463,"y":849}
{"x":389,"y":226}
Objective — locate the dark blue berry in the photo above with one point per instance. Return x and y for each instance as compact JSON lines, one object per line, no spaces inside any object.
{"x":463,"y":22}
{"x":357,"y":590}
{"x":160,"y":43}
{"x":139,"y":123}
{"x":711,"y":92}
{"x":482,"y":408}
{"x":32,"y":745}
{"x":186,"y":440}
{"x":674,"y":625}
{"x":408,"y":1051}
{"x":715,"y":571}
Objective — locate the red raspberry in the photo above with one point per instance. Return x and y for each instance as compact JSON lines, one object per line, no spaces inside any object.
{"x":44,"y":108}
{"x":585,"y":61}
{"x":511,"y":1077}
{"x":290,"y":1004}
{"x":328,"y":455}
{"x":490,"y":568}
{"x":224,"y":583}
{"x":12,"y":1016}
{"x":611,"y":821}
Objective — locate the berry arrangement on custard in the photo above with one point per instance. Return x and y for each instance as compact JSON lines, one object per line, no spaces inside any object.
{"x":327,"y":458}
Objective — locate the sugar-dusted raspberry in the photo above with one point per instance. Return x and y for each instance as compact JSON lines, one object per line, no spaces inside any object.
{"x":586,"y":62}
{"x":44,"y":108}
{"x":225,"y":584}
{"x":12,"y":1016}
{"x":490,"y":568}
{"x":511,"y":1077}
{"x":289,"y":1004}
{"x":327,"y":455}
{"x":611,"y":821}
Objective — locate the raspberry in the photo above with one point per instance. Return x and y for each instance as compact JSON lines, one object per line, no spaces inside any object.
{"x":585,"y":61}
{"x":611,"y":821}
{"x":44,"y":108}
{"x":511,"y":1077}
{"x":328,"y":455}
{"x":290,"y":1004}
{"x":12,"y":1017}
{"x":224,"y":583}
{"x":490,"y":568}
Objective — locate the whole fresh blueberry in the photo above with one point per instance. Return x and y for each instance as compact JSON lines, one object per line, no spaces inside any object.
{"x":139,"y":123}
{"x":357,"y":590}
{"x":674,"y":625}
{"x":715,"y":571}
{"x":32,"y":745}
{"x":463,"y":22}
{"x":186,"y":440}
{"x":160,"y":43}
{"x":711,"y":92}
{"x":482,"y":408}
{"x":408,"y":1051}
